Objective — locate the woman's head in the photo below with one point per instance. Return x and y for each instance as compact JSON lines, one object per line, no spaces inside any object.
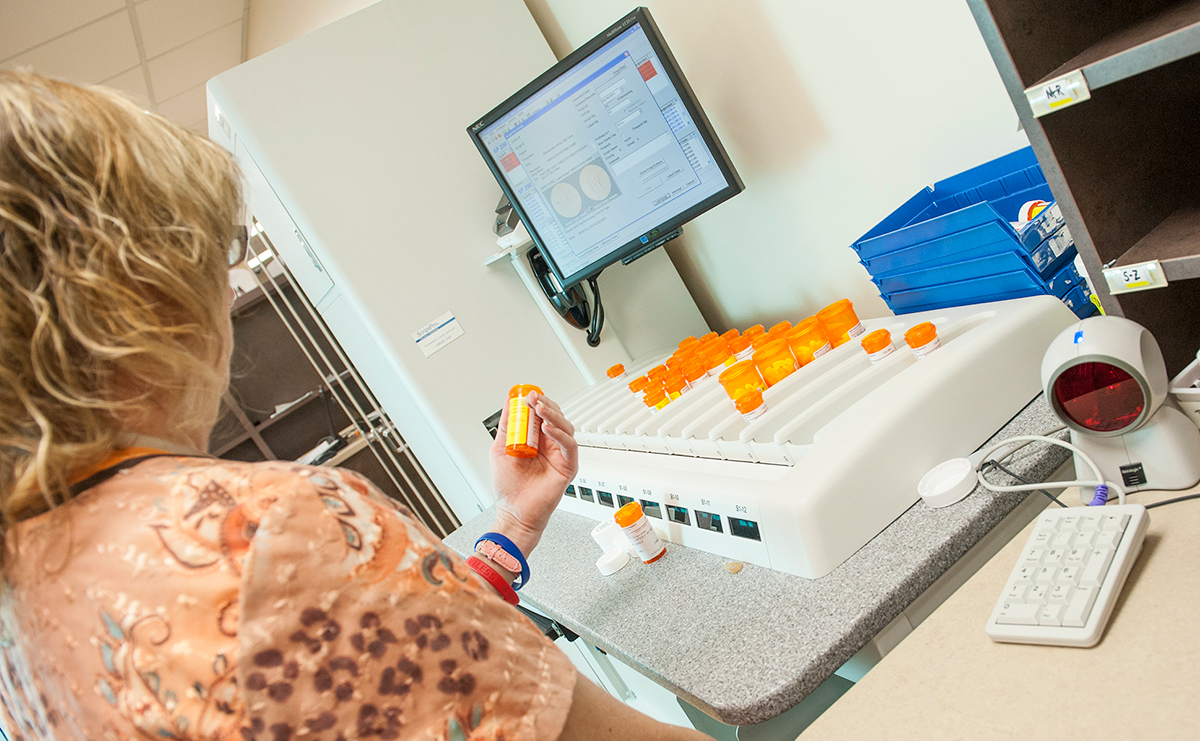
{"x":115,"y":228}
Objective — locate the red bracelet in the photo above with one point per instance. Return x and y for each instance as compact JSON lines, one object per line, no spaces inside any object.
{"x":487,"y":572}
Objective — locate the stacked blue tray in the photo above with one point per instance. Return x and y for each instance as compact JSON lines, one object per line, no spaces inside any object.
{"x":954,"y":244}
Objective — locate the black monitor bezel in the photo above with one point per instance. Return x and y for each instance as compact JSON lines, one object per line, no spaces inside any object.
{"x":671,"y":68}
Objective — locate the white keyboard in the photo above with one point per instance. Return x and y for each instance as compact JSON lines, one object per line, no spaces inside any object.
{"x":1066,"y":581}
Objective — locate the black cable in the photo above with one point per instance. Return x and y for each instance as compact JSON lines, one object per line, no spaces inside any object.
{"x":324,"y":394}
{"x":997,"y":464}
{"x":593,"y":335}
{"x":1173,"y":501}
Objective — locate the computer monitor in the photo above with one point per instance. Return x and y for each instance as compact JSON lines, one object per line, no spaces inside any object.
{"x":608,"y":153}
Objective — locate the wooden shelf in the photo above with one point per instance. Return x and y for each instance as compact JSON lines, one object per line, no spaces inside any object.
{"x":1160,"y":38}
{"x":1175,"y":243}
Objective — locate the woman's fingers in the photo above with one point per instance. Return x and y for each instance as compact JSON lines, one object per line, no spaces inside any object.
{"x":565,"y":441}
{"x":551,"y":412}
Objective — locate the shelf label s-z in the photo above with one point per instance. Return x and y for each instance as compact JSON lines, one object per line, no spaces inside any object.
{"x":1060,"y":92}
{"x":1140,"y":277}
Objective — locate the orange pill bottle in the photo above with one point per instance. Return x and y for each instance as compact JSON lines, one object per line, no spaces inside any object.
{"x":522,"y":438}
{"x":775,"y":362}
{"x":922,"y":339}
{"x":807,"y":340}
{"x":841,"y":323}
{"x":740,"y":378}
{"x":742,"y":347}
{"x":640,"y":532}
{"x":878,"y":345}
{"x":655,"y":398}
{"x":751,"y":405}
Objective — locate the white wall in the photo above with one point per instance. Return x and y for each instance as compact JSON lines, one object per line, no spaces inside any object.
{"x":834,"y":114}
{"x":273,"y":23}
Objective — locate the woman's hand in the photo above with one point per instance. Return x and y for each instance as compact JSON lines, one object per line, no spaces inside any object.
{"x":528,"y":489}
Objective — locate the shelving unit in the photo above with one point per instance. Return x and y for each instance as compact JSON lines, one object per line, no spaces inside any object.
{"x":1122,"y":162}
{"x":292,"y":386}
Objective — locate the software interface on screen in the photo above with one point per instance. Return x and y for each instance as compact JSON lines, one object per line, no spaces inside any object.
{"x":603,"y":154}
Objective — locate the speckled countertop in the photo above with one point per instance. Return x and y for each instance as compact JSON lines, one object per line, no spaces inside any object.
{"x":745,"y":647}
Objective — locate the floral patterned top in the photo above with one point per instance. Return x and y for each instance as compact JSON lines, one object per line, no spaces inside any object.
{"x":191,"y":598}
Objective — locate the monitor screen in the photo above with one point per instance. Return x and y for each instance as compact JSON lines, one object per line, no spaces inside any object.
{"x":607,"y":152}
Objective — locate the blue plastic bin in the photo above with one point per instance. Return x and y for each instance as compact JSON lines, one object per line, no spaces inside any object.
{"x":1015,"y":284}
{"x":991,"y":192}
{"x":1079,"y":300}
{"x":925,"y":277}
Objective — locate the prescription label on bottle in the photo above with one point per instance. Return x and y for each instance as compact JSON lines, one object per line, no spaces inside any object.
{"x":645,"y":541}
{"x":856,"y":331}
{"x":522,"y":424}
{"x":824,"y":349}
{"x":928,"y":347}
{"x":881,"y":354}
{"x":754,"y":414}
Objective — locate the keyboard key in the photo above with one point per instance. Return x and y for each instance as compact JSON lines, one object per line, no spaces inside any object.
{"x":1046,"y":574}
{"x":1068,"y":523}
{"x":1060,"y":594}
{"x":1076,"y":557}
{"x":1016,"y":613}
{"x":1032,"y":557}
{"x":1016,"y":593}
{"x":1080,"y":607}
{"x":1069,"y":575}
{"x":1042,"y":539}
{"x":1089,"y":524}
{"x":1051,"y":615}
{"x":1084,"y":539}
{"x":1114,"y":522}
{"x":1054,"y":556}
{"x":1036,"y":594}
{"x":1064,"y":540}
{"x":1108,"y":539}
{"x":1025,"y":574}
{"x":1093,"y":573}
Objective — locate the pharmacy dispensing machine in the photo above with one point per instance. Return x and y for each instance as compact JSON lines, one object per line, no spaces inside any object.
{"x":357,"y":164}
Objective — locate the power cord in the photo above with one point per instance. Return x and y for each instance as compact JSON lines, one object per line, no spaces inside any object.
{"x":997,"y":465}
{"x":1173,"y":501}
{"x":593,"y":335}
{"x":1099,"y":483}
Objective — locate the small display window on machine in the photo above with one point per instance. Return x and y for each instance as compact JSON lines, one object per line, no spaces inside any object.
{"x":604,"y":157}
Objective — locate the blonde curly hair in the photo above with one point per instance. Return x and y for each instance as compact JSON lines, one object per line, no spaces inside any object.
{"x":115,"y":227}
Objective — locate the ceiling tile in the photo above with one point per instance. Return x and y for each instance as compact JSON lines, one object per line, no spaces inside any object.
{"x":196,"y":62}
{"x":133,"y":82}
{"x":166,"y":24}
{"x":28,"y":23}
{"x":185,"y":108}
{"x":88,"y":55}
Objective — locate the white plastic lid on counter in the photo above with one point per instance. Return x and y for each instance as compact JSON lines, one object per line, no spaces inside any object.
{"x":948,"y":483}
{"x":613,"y":541}
{"x":612,"y":561}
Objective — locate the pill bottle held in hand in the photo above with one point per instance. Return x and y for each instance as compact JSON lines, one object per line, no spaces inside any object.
{"x":640,"y":532}
{"x":522,"y":437}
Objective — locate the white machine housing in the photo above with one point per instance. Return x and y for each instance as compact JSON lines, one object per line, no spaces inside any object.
{"x":839,"y":452}
{"x":1160,"y":448}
